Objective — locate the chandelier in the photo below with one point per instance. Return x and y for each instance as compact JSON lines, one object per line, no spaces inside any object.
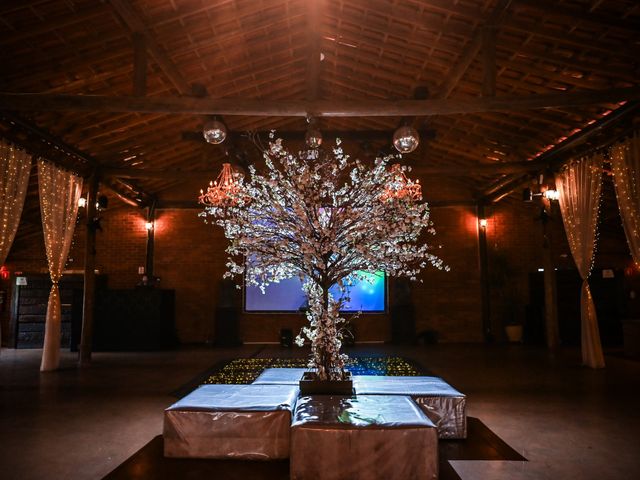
{"x":401,"y":187}
{"x":223,"y":192}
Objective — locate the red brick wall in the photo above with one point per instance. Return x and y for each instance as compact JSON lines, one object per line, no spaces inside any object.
{"x":449,"y":302}
{"x":121,"y":246}
{"x":189,"y":257}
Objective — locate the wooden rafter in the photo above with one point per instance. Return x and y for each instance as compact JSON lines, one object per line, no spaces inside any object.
{"x":86,"y":166}
{"x":561,"y":153}
{"x":456,"y":73}
{"x":313,"y":39}
{"x":489,"y":61}
{"x":139,"y":65}
{"x":137,"y":26}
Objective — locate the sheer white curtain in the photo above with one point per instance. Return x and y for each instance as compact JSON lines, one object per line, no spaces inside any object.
{"x":15,"y":166}
{"x":625,"y":160}
{"x":59,"y":194}
{"x":579,"y":185}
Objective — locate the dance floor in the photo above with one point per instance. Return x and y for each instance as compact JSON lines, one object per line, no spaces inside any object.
{"x":242,"y":371}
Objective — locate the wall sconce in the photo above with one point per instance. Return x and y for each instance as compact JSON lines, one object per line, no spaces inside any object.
{"x":546,"y":188}
{"x":82,"y":202}
{"x":482,"y":222}
{"x":549,"y":194}
{"x":148,"y":226}
{"x":4,"y":273}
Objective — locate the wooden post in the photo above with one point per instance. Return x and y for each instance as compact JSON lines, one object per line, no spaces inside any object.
{"x":550,"y":288}
{"x":151,"y":214}
{"x":88,"y":303}
{"x":485,"y":290}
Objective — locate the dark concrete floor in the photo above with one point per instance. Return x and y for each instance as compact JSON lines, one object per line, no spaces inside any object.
{"x":569,"y":421}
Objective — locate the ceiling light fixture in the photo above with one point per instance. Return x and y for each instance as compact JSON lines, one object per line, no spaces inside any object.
{"x":224,"y":190}
{"x":313,"y":137}
{"x":406,"y":139}
{"x":214,"y":131}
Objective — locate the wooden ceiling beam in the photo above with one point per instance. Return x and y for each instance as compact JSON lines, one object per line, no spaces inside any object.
{"x":440,"y":170}
{"x":456,"y":73}
{"x":489,"y":70}
{"x":139,"y":65}
{"x":194,"y":205}
{"x":137,"y":26}
{"x":297,"y":108}
{"x":313,"y":49}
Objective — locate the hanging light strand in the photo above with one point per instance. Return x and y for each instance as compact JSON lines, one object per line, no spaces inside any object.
{"x":625,"y":163}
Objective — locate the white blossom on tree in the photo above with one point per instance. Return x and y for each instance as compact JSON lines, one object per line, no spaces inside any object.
{"x":324,"y":217}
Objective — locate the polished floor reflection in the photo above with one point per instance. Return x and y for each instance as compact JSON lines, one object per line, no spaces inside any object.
{"x":568,"y":421}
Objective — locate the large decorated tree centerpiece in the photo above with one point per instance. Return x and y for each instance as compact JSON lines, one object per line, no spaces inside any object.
{"x":329,"y":220}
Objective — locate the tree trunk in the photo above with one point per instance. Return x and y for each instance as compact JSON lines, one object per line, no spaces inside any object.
{"x":324,"y":348}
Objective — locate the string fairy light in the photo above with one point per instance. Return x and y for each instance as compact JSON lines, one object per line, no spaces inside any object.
{"x":59,"y":195}
{"x":16,"y":165}
{"x":581,"y":178}
{"x":625,"y":163}
{"x":579,"y":186}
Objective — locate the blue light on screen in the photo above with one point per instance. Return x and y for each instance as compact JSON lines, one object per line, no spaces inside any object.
{"x":287,"y":295}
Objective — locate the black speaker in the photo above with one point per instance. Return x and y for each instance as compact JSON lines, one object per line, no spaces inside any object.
{"x":286,"y":338}
{"x":226,"y":331}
